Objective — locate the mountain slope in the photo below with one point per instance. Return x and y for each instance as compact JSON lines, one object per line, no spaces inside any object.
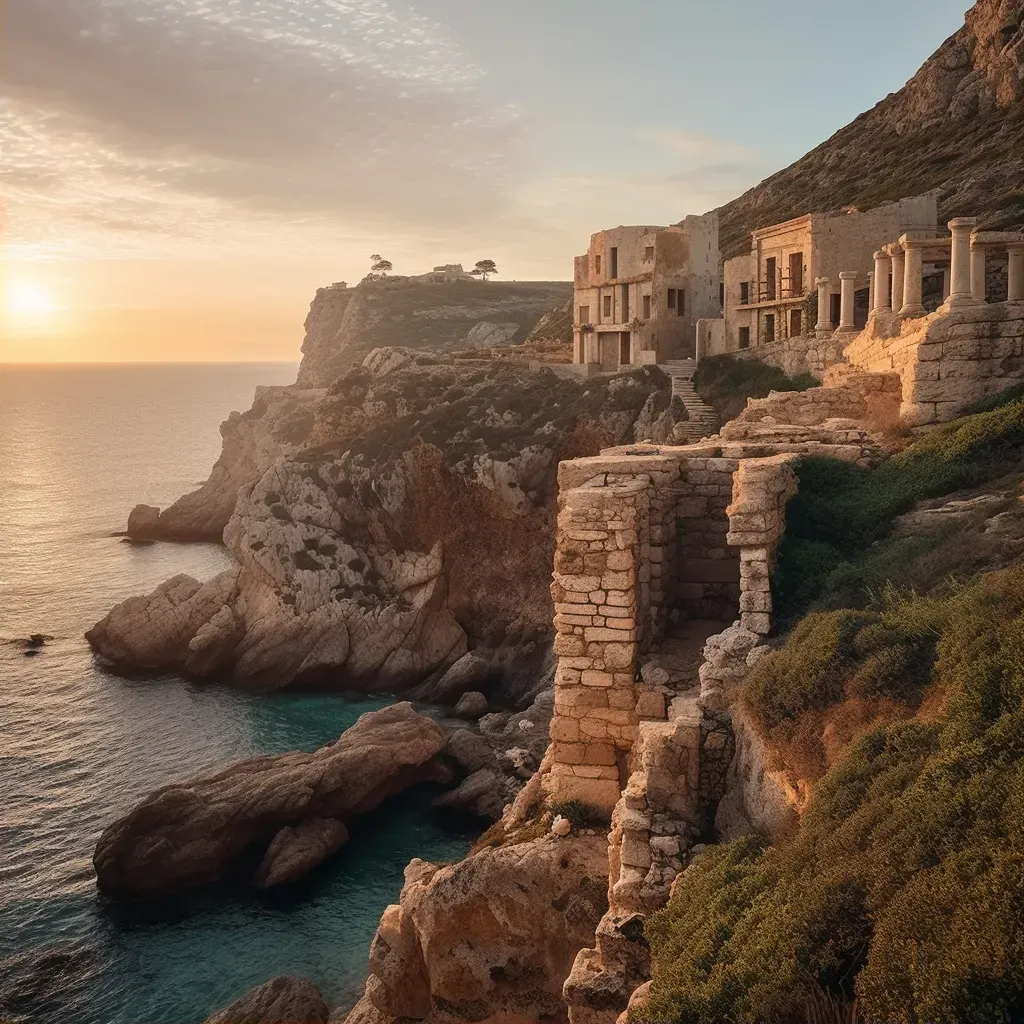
{"x":956,"y":126}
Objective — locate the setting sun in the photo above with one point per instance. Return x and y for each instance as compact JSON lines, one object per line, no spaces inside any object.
{"x":27,"y":301}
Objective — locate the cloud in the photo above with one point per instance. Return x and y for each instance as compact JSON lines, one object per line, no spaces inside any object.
{"x":145,"y":115}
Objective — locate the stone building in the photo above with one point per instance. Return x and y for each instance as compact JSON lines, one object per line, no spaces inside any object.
{"x":639,"y":292}
{"x":789,"y":286}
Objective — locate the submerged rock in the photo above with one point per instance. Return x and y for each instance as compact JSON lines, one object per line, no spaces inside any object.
{"x":191,"y":832}
{"x":283,"y":1000}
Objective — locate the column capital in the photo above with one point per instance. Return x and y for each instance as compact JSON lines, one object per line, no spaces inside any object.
{"x":847,"y":275}
{"x":881,"y":254}
{"x":1015,"y":247}
{"x":908,"y":242}
{"x":820,"y":281}
{"x":962,"y":223}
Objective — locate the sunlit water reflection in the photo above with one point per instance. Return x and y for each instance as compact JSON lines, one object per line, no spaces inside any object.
{"x":78,"y":448}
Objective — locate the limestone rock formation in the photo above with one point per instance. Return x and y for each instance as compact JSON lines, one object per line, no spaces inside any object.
{"x":956,"y":126}
{"x":346,"y":324}
{"x":189,"y":833}
{"x":381,"y":528}
{"x":278,"y":422}
{"x":490,"y":939}
{"x":284,"y":1000}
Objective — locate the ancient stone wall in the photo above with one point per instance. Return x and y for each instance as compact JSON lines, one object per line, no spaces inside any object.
{"x":757,"y":520}
{"x":945,"y":360}
{"x":798,"y":355}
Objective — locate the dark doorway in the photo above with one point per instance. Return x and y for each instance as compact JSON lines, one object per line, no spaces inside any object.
{"x":744,"y":337}
{"x":796,"y":323}
{"x":796,"y":273}
{"x":625,"y":356}
{"x":834,"y":309}
{"x":769,"y":327}
{"x":770,"y":273}
{"x":613,"y":259}
{"x":625,"y":305}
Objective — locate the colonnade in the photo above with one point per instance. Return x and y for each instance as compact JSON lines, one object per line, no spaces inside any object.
{"x":896,"y":283}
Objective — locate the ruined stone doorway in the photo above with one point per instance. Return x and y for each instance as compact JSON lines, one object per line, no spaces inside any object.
{"x":609,"y":351}
{"x":625,"y":349}
{"x":796,"y":273}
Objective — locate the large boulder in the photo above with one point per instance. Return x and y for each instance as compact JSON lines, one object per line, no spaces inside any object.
{"x":284,"y":1000}
{"x":490,"y":939}
{"x":189,"y":833}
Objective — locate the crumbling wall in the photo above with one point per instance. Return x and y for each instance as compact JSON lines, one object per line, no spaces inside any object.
{"x":945,"y":360}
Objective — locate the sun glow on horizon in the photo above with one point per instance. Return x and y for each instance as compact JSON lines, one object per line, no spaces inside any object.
{"x":27,"y":303}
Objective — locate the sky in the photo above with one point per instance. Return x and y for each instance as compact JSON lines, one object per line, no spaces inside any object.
{"x":179,"y":176}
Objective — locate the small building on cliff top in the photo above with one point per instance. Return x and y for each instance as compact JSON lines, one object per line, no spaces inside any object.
{"x":640,"y":290}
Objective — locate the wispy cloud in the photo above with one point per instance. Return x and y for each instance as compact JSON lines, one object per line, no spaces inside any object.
{"x":162,"y":117}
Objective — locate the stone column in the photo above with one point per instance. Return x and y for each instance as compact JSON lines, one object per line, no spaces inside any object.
{"x":882,"y":266}
{"x":960,"y":262}
{"x":912,"y":285}
{"x":898,"y":276}
{"x":871,"y":291}
{"x":848,"y":281}
{"x":1015,"y":273}
{"x":978,"y":289}
{"x":824,"y":325}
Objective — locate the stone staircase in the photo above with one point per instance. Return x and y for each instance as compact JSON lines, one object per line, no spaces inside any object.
{"x":703,"y":421}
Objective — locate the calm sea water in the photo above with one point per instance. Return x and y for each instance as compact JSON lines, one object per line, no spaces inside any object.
{"x":78,"y":448}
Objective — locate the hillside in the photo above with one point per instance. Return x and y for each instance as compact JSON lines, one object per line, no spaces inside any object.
{"x":956,"y":126}
{"x":346,"y":324}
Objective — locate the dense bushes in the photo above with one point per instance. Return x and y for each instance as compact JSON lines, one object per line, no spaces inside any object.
{"x":841,"y":508}
{"x":726,"y":383}
{"x":905,"y":883}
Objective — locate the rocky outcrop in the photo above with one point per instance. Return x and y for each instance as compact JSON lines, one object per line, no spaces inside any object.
{"x":956,"y":126}
{"x":404,"y":516}
{"x":279,"y":422}
{"x":490,"y":939}
{"x":346,"y":324}
{"x":191,"y":832}
{"x":284,"y":1000}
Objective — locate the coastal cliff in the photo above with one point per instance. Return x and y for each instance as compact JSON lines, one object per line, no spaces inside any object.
{"x":381,"y":526}
{"x":345,"y":324}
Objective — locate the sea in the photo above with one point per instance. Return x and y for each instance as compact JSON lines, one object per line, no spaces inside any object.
{"x":79,"y":447}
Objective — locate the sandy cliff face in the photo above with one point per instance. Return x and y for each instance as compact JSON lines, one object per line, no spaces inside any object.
{"x":416,"y":518}
{"x":956,"y":126}
{"x":344,"y":325}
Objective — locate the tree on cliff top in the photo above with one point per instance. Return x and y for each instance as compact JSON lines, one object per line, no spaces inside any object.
{"x":484,"y":268}
{"x":379,"y":266}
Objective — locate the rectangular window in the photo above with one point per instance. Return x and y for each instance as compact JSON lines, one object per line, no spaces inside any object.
{"x":613,"y":261}
{"x":681,"y":302}
{"x":671,"y":298}
{"x":744,"y":337}
{"x":625,"y":305}
{"x":721,"y":295}
{"x":796,"y":323}
{"x":770,"y":277}
{"x":647,"y":307}
{"x":648,"y":253}
{"x":597,"y":265}
{"x":607,"y":305}
{"x":744,"y":293}
{"x":584,"y":317}
{"x":769,"y":327}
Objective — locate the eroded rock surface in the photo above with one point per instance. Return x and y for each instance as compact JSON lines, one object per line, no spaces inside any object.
{"x":381,"y":527}
{"x":490,"y":939}
{"x":189,"y":833}
{"x":283,"y":1000}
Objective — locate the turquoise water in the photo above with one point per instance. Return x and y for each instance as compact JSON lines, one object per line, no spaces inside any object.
{"x":78,"y":448}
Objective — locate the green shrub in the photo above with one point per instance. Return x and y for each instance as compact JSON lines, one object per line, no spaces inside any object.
{"x":841,"y":508}
{"x":580,"y":814}
{"x":726,"y":383}
{"x":904,"y":885}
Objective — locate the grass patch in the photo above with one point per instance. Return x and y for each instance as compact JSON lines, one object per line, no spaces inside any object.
{"x":842,"y":509}
{"x":726,"y":383}
{"x":904,"y":886}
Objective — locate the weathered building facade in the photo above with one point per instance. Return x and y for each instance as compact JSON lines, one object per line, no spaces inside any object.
{"x":639,"y":292}
{"x":789,"y":285}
